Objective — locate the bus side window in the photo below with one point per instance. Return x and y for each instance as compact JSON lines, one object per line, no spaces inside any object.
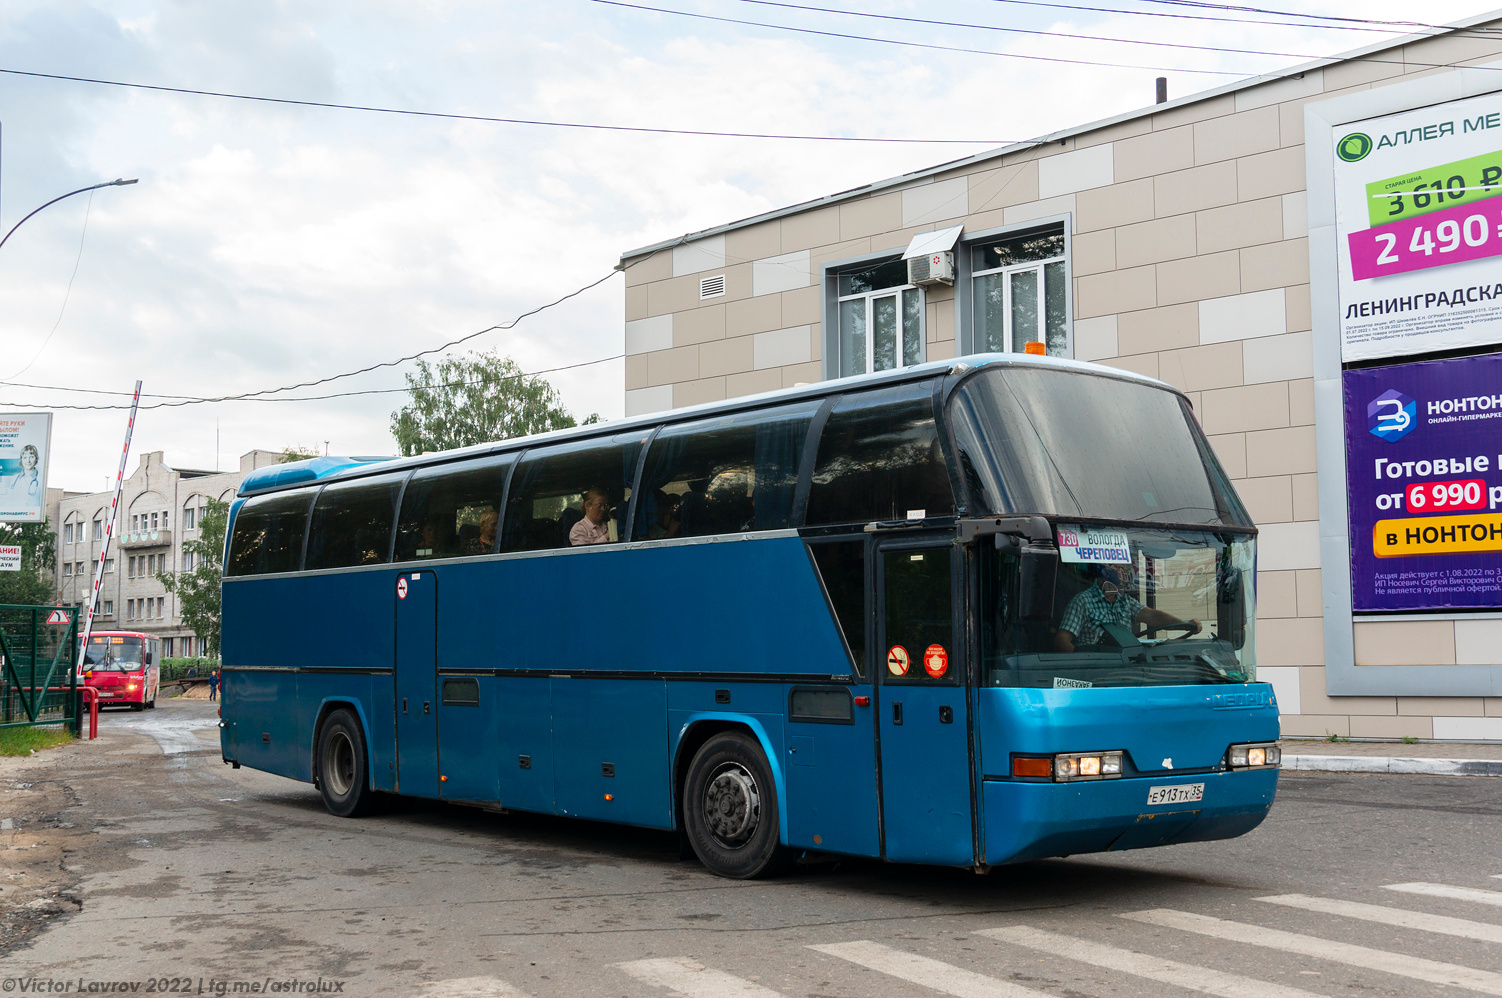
{"x":724,"y":475}
{"x":842,"y":571}
{"x":268,"y":534}
{"x":452,"y":511}
{"x":549,"y":487}
{"x":880,"y":459}
{"x":352,"y":522}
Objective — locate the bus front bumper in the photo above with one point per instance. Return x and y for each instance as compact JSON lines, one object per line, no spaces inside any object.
{"x":1025,"y":821}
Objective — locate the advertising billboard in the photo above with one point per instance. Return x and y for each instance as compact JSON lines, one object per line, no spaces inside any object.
{"x":25,"y":438}
{"x":1418,"y":216}
{"x":1424,"y":479}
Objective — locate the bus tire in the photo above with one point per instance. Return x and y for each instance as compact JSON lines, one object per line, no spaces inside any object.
{"x":344,"y":766}
{"x":730,"y":808}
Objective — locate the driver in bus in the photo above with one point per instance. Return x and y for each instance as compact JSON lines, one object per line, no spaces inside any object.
{"x":1108,"y":601}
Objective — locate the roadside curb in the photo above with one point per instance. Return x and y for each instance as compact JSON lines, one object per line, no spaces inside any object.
{"x":1388,"y":764}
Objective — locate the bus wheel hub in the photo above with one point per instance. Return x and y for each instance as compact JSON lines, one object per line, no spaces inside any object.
{"x":732,"y":806}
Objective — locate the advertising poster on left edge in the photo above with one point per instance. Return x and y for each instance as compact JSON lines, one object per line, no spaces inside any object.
{"x":25,"y":441}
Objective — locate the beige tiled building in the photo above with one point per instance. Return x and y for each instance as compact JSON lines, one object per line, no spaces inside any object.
{"x":1174,"y":241}
{"x":160,"y":508}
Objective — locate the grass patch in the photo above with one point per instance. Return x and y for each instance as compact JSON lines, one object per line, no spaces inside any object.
{"x":22,"y":741}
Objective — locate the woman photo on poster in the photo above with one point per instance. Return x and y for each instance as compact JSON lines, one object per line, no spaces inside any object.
{"x":27,"y":485}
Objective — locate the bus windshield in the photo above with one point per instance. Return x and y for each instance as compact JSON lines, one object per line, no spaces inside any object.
{"x":1035,"y":440}
{"x":107,"y":652}
{"x":1129,"y":607}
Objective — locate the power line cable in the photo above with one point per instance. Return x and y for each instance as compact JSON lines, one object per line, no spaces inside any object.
{"x":1029,"y":31}
{"x":1086,"y":8}
{"x":67,"y":293}
{"x":258,"y":395}
{"x":1200,"y":4}
{"x":1016,"y":55}
{"x":919,"y":45}
{"x":490,"y":118}
{"x":337,"y":395}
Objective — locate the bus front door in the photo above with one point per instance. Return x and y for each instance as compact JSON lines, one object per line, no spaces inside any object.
{"x":923,"y":724}
{"x":417,"y":684}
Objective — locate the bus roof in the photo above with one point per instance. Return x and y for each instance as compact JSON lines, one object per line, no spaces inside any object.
{"x":319,"y":469}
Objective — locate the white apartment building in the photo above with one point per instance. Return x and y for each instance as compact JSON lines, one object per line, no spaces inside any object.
{"x":160,"y":509}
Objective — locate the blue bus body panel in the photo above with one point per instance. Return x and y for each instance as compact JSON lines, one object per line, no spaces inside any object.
{"x":310,"y":621}
{"x":417,"y":699}
{"x":1191,"y":726}
{"x":1033,"y":820}
{"x":925,"y":777}
{"x":617,"y":726}
{"x":688,"y":608}
{"x":1163,"y":729}
{"x":469,"y":746}
{"x":600,"y":611}
{"x":523,"y":709}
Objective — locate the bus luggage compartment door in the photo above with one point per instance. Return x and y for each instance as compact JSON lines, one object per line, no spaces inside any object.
{"x":923,"y":719}
{"x":417,"y":684}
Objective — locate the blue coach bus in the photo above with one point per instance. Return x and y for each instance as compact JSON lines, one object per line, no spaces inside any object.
{"x":965,"y":613}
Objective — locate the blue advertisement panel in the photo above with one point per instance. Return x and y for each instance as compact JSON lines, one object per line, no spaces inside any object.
{"x":1423,"y":449}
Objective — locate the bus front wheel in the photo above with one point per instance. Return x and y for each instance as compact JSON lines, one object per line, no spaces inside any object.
{"x":730,"y":808}
{"x":343,"y":766}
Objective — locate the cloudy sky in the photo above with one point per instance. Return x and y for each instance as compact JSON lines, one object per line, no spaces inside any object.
{"x":268,"y":245}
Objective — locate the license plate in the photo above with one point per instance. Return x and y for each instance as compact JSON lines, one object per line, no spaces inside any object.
{"x":1181,"y":794}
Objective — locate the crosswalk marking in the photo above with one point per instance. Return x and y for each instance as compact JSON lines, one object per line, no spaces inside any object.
{"x":936,"y":974}
{"x":686,"y":977}
{"x":471,"y":987}
{"x":1154,"y":968}
{"x":1476,"y":894}
{"x":1400,"y":964}
{"x":1443,"y":924}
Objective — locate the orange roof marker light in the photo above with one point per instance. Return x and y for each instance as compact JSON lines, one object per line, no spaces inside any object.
{"x":1035,"y":348}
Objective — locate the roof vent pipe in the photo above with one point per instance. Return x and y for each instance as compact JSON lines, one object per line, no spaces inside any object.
{"x":1162,"y":90}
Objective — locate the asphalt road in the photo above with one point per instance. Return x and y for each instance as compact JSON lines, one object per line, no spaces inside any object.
{"x":172,"y":868}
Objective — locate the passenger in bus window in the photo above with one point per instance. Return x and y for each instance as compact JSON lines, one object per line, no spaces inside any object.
{"x":593,"y":528}
{"x":485,"y":543}
{"x":667,"y":523}
{"x":1107,"y":601}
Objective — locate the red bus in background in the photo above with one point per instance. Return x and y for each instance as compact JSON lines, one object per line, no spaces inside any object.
{"x":124,"y":666}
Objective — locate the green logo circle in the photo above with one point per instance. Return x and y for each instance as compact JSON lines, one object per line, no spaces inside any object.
{"x":1354,"y":147}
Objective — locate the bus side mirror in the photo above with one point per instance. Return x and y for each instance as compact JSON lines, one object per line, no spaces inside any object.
{"x":1036,"y":582}
{"x":148,"y":658}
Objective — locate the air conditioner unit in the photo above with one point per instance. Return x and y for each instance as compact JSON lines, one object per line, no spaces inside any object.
{"x":933,"y":268}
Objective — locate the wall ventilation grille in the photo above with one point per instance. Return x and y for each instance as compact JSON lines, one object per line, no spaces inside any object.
{"x":711,"y":287}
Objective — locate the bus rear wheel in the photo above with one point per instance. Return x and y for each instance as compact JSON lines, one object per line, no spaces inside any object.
{"x":730,"y":809}
{"x":343,"y":766}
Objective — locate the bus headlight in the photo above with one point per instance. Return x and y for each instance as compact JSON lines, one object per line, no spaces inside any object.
{"x":130,"y":686}
{"x":1255,"y":756}
{"x":1087,"y":766}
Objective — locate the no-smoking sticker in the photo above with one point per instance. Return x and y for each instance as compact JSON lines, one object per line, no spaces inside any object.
{"x":897,"y":661}
{"x":401,"y":588}
{"x":935,"y":661}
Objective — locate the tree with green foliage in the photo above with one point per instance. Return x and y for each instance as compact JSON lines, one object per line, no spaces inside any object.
{"x":473,"y":400}
{"x":34,"y":584}
{"x":296,"y":452}
{"x":198,"y":590}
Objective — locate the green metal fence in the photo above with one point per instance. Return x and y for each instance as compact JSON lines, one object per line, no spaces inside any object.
{"x":39,"y":666}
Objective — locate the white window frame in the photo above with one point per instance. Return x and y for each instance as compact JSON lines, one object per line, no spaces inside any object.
{"x":1040,"y":334}
{"x":834,"y":367}
{"x":970,"y":337}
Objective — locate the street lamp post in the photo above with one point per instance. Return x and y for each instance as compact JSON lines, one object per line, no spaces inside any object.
{"x":81,"y":190}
